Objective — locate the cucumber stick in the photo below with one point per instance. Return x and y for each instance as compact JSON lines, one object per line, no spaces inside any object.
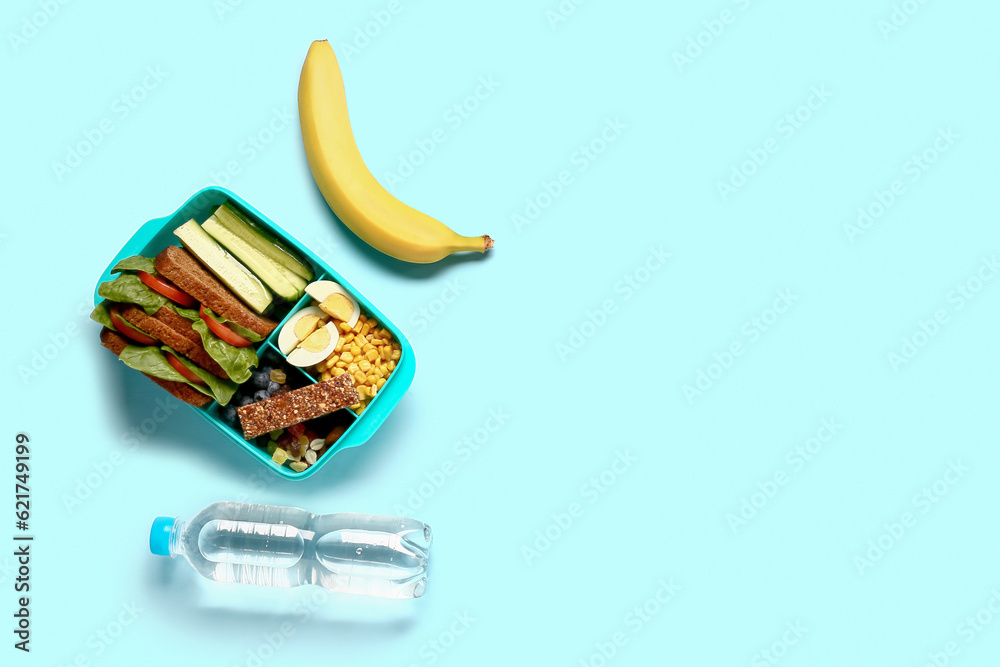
{"x":227,"y":268}
{"x":239,"y":224}
{"x":273,"y":275}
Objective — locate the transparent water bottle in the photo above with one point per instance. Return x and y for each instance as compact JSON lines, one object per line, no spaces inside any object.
{"x":287,"y":546}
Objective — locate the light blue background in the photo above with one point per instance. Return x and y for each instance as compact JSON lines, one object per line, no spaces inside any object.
{"x":495,"y":345}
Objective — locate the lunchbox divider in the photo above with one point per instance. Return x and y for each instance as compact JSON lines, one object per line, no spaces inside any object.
{"x":272,"y":338}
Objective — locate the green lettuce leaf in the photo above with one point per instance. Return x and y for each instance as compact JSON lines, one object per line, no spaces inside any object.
{"x":236,"y":361}
{"x":221,"y":390}
{"x":135,"y":263}
{"x":127,"y":288}
{"x":242,"y":331}
{"x":102,"y":315}
{"x":189,"y":313}
{"x":151,"y":360}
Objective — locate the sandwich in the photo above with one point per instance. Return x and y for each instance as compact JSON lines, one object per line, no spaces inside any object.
{"x":169,"y":318}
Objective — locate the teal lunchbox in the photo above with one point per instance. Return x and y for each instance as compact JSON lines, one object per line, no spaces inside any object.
{"x":157,"y":234}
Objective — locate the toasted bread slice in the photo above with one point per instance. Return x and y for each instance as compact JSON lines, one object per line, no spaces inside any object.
{"x":169,"y":335}
{"x":179,"y":267}
{"x":116,"y":343}
{"x":181,"y":325}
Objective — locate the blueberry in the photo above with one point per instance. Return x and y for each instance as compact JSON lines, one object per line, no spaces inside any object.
{"x":229,"y":414}
{"x":260,"y":379}
{"x":261,"y":395}
{"x":266,"y":369}
{"x":246,"y":400}
{"x":272,"y":387}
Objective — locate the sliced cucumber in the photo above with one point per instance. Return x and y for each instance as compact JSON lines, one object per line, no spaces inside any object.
{"x":274,"y":276}
{"x":236,"y":222}
{"x":227,"y":268}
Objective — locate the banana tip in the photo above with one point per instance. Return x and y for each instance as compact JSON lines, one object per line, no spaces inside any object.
{"x":487,"y":242}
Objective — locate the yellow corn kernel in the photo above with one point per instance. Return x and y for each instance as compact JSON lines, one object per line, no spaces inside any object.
{"x":359,"y":376}
{"x":340,"y":364}
{"x":371,"y":378}
{"x":385,"y":352}
{"x":356,"y":406}
{"x":361,"y":391}
{"x":391,"y":365}
{"x":373,"y":390}
{"x":355,"y":350}
{"x":340,"y":345}
{"x":362,"y":318}
{"x":353,"y":368}
{"x":384,"y":333}
{"x":378,"y":371}
{"x":357,"y":327}
{"x":372,"y":322}
{"x":346,"y":355}
{"x":365,"y":328}
{"x":325,"y":375}
{"x":396,"y":354}
{"x":377,"y":342}
{"x":381,"y":381}
{"x":338,"y":371}
{"x":371,"y":355}
{"x":367,"y":347}
{"x":365,"y":365}
{"x":343,"y":327}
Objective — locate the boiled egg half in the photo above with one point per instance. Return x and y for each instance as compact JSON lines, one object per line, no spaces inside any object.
{"x":298,"y":327}
{"x":335,"y":301}
{"x":316,"y":347}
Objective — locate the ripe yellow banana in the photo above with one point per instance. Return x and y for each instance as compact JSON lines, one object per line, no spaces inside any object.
{"x":380,"y":219}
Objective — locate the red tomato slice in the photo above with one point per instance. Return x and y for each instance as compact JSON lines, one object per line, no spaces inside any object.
{"x":167,"y":289}
{"x":127,"y":331}
{"x":182,"y":369}
{"x":222,"y":331}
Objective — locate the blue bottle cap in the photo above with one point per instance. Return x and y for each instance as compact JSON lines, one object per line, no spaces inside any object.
{"x":159,"y":535}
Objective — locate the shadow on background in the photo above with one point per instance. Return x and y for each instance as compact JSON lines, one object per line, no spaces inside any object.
{"x":189,"y":436}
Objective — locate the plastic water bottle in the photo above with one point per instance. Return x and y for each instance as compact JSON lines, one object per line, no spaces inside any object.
{"x":287,"y":546}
